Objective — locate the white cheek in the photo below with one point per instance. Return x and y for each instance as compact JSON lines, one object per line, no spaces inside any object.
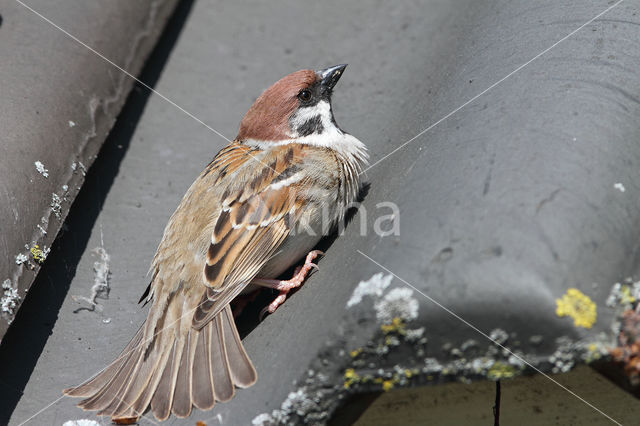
{"x":331,"y":136}
{"x":322,"y":109}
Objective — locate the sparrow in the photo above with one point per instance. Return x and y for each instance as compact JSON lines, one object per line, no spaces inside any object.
{"x":259,"y":207}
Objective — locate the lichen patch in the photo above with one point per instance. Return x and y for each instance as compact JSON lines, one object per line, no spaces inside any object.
{"x":578,"y":306}
{"x":41,"y":169}
{"x":397,"y":303}
{"x":374,"y":286}
{"x":10,"y":298}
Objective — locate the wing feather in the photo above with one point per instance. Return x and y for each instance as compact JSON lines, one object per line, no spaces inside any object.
{"x":254,"y":221}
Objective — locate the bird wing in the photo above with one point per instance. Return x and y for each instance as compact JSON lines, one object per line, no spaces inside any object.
{"x":254,"y":220}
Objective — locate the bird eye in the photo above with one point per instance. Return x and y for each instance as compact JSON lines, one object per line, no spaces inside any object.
{"x":304,"y":95}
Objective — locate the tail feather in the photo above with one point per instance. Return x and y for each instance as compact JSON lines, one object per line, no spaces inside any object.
{"x":142,"y":403}
{"x":103,"y":398}
{"x":182,"y":367}
{"x":119,"y":400}
{"x":202,"y":384}
{"x":161,"y":400}
{"x":223,"y":385}
{"x":140,"y":385}
{"x":100,"y":380}
{"x":243,"y":373}
{"x":182,"y":398}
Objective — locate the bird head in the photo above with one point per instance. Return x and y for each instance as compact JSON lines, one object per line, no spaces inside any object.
{"x":296,"y":106}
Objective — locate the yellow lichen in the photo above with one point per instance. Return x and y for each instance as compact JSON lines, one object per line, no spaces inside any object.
{"x":408,"y":373}
{"x":354,"y":353}
{"x":387,"y":385}
{"x":593,"y":353}
{"x":500,"y":370}
{"x":350,"y":377}
{"x":37,"y":254}
{"x":391,"y":341}
{"x":625,"y":295}
{"x":396,"y":326}
{"x":578,"y":306}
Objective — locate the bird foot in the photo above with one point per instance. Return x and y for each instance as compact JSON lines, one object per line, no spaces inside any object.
{"x":285,"y":286}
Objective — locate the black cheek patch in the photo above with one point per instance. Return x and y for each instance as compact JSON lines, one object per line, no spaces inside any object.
{"x":313,"y":125}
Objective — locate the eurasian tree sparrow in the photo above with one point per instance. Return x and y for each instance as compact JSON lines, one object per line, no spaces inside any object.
{"x":243,"y":221}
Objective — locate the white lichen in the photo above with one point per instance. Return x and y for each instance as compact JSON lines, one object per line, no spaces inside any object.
{"x":413,"y":335}
{"x":398,"y":303}
{"x":624,"y":295}
{"x":563,"y":359}
{"x":262,"y":419}
{"x":56,"y":205}
{"x":431,"y":365}
{"x":21,"y":258}
{"x":499,"y":336}
{"x":10,"y":297}
{"x":635,"y":290}
{"x":382,"y":350}
{"x":481,"y":365}
{"x":614,"y":295}
{"x":81,"y":422}
{"x":100,"y":286}
{"x":298,"y":403}
{"x":374,"y":286}
{"x":468,"y":344}
{"x":72,"y":124}
{"x":619,"y":186}
{"x":41,"y":169}
{"x":392,"y":341}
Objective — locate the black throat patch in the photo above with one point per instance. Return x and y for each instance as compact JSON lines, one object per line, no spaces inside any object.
{"x":312,"y":125}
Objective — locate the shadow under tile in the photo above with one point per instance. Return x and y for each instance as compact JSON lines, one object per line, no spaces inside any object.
{"x":26,"y":338}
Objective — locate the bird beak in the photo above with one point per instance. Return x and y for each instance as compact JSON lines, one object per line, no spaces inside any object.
{"x":330,"y":76}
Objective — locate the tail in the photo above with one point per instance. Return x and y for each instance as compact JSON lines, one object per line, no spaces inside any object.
{"x":171,"y":371}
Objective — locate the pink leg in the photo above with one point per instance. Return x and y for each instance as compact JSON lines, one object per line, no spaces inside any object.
{"x":285,"y":287}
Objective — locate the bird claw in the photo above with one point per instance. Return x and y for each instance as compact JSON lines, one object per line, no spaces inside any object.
{"x":299,"y":275}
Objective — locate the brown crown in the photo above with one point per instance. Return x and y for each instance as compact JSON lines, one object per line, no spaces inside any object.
{"x":268,"y":117}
